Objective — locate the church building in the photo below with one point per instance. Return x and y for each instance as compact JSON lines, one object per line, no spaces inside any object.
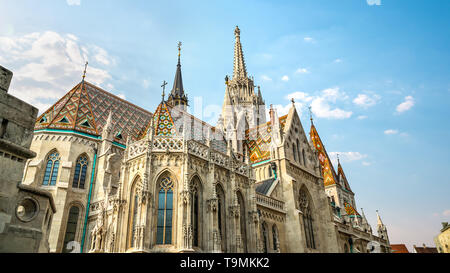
{"x":126,"y":180}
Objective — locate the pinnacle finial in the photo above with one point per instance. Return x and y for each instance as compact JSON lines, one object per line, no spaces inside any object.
{"x":85,"y":68}
{"x":311,"y":115}
{"x":339,"y":162}
{"x":179,"y":51}
{"x":293,"y":101}
{"x":237,"y":32}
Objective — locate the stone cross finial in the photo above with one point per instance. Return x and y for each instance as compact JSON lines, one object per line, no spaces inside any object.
{"x":164,"y":88}
{"x":85,"y":68}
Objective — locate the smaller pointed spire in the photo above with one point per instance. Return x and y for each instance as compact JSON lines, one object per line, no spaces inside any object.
{"x":311,"y":115}
{"x":380,"y":223}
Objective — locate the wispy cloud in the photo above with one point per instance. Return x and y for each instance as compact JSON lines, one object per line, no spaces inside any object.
{"x":362,"y":117}
{"x":301,"y":71}
{"x":73,"y":2}
{"x":322,"y":104}
{"x":391,"y":132}
{"x":47,"y":64}
{"x":373,"y":2}
{"x":266,"y":78}
{"x":338,"y":60}
{"x":366,"y":100}
{"x":285,"y":78}
{"x":309,"y":39}
{"x":406,"y":105}
{"x":346,"y":156}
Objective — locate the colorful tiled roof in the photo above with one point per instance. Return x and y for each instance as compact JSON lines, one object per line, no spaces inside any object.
{"x":351,"y":211}
{"x":163,"y":124}
{"x":328,"y":172}
{"x":85,"y":109}
{"x":343,"y":178}
{"x":258,"y":140}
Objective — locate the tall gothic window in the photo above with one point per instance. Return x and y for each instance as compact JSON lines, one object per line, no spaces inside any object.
{"x":304,"y":158}
{"x":79,"y":177}
{"x":305,"y":206}
{"x":135,"y":219}
{"x":165,"y":211}
{"x":264,"y":236}
{"x":275,"y":237}
{"x":71,"y":229}
{"x":221,"y":215}
{"x":243,"y":221}
{"x":195,"y":210}
{"x":51,"y":169}
{"x":299,"y":152}
{"x":294,"y":151}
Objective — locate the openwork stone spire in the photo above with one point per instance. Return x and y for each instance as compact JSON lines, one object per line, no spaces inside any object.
{"x":239,"y":70}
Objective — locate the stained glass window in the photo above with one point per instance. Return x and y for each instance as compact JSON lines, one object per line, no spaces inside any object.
{"x":165,"y":212}
{"x":79,"y":177}
{"x":51,"y":169}
{"x":71,"y":229}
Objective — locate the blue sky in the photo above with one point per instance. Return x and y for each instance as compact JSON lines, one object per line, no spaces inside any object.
{"x":376,"y":74}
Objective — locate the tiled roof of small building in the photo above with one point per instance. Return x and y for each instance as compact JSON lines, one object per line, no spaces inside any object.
{"x":258,"y":140}
{"x":425,"y":249}
{"x":351,"y":211}
{"x":85,"y":109}
{"x":399,"y":248}
{"x":264,"y":186}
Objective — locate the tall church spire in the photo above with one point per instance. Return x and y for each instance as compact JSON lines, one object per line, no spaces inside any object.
{"x":239,"y":70}
{"x":177,"y":95}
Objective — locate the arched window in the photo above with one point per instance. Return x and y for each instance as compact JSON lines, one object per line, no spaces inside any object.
{"x":299,"y":152}
{"x":243,"y":221}
{"x":264,"y":236}
{"x":165,"y":211}
{"x":51,"y":169}
{"x":294,"y":151}
{"x":135,"y":219}
{"x":221,"y":215}
{"x":275,"y":237}
{"x":71,"y":229}
{"x":304,"y":157}
{"x":79,"y":177}
{"x":195,"y":210}
{"x":305,"y":206}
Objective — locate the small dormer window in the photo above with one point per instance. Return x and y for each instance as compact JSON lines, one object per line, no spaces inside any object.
{"x":86,"y":124}
{"x":43,"y":119}
{"x":64,"y":120}
{"x":119,"y":135}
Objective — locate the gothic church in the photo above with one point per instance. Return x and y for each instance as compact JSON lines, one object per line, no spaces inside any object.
{"x":128,"y":180}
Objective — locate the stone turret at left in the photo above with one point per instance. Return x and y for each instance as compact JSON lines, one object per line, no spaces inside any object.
{"x":26,"y":212}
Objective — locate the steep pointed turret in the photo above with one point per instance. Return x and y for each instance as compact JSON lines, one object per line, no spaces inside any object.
{"x":177,"y":95}
{"x":381,"y":228}
{"x":239,"y":71}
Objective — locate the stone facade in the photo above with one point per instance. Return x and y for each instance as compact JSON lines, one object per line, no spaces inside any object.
{"x":442,"y":241}
{"x":25,"y":211}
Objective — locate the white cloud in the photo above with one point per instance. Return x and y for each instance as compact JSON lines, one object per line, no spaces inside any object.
{"x":73,"y":2}
{"x":362,"y":117}
{"x":391,"y":132}
{"x":285,"y":78}
{"x":364,"y":163}
{"x":406,"y":105}
{"x":47,"y":65}
{"x":122,"y":96}
{"x":308,"y":39}
{"x":374,"y":2}
{"x":320,"y":104}
{"x":301,"y":71}
{"x":346,"y":156}
{"x":145,"y":83}
{"x":338,"y":60}
{"x":365,"y":100}
{"x":266,"y":78}
{"x":299,"y":96}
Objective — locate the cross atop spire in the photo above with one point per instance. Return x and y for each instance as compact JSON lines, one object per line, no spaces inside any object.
{"x":164,"y":88}
{"x":239,"y":70}
{"x":179,"y":52}
{"x":311,"y":115}
{"x":85,"y":68}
